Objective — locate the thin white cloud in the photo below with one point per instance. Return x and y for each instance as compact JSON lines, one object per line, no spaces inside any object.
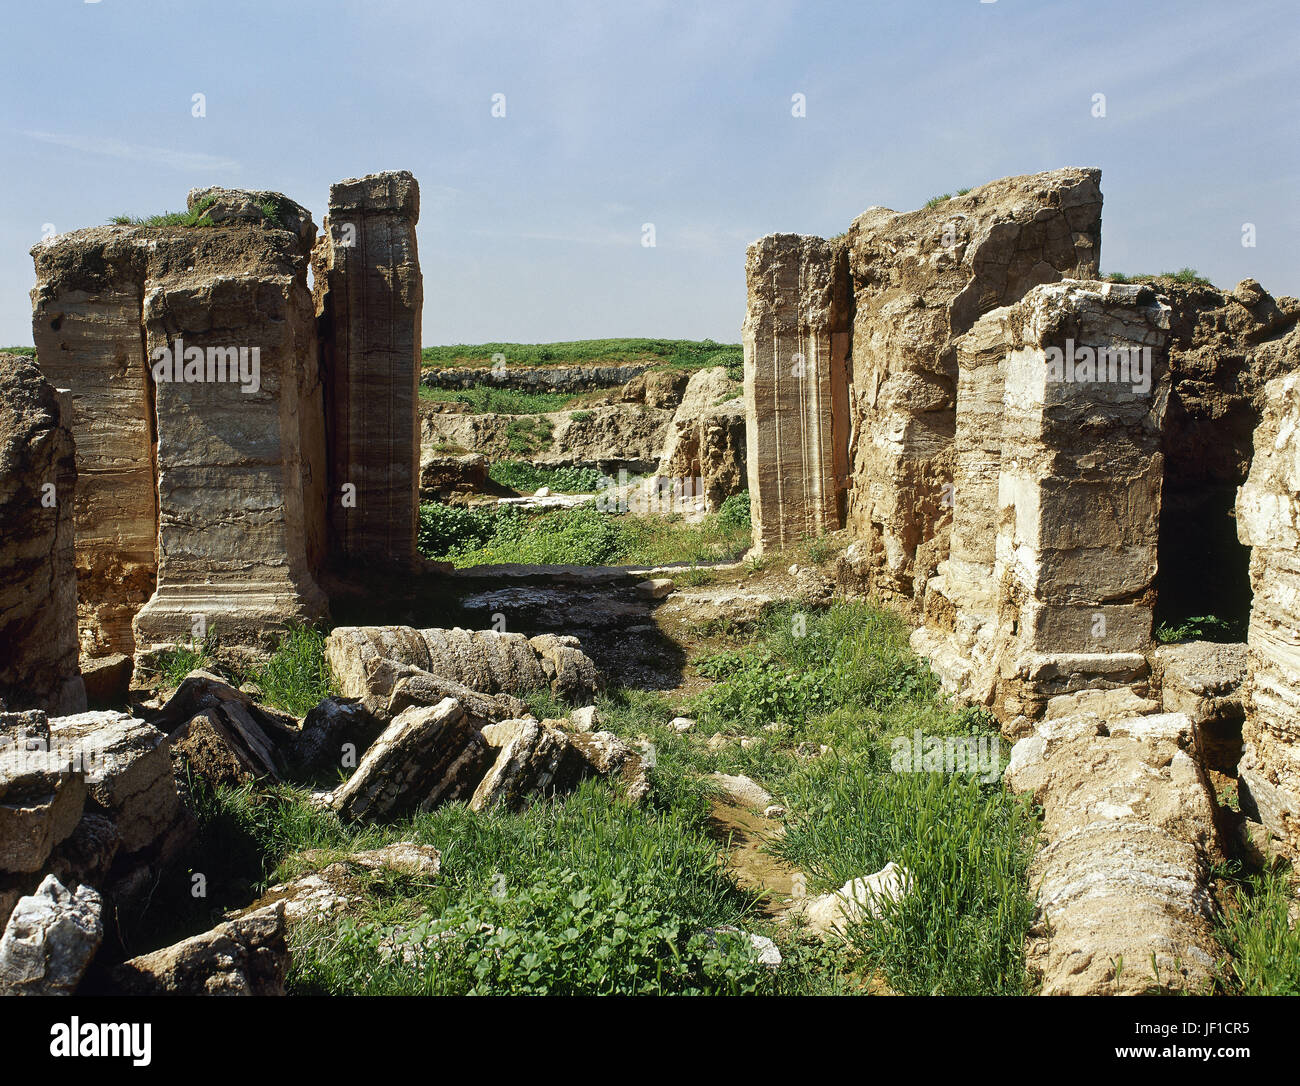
{"x":185,"y":161}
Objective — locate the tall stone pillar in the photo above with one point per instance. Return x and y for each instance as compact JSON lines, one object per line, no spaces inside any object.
{"x":369,"y":295}
{"x":86,"y":309}
{"x":230,"y":332}
{"x":38,"y":581}
{"x":796,"y":341}
{"x":1268,"y":521}
{"x":1079,"y":488}
{"x":921,"y":279}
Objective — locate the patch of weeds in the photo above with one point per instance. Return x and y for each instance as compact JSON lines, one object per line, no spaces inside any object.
{"x":527,"y":478}
{"x":1259,"y":936}
{"x":528,"y":434}
{"x":488,"y":399}
{"x":297,"y":677}
{"x":935,"y":201}
{"x":1202,"y":628}
{"x":193,"y":217}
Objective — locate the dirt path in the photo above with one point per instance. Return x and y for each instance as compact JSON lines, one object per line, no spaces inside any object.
{"x":742,"y":834}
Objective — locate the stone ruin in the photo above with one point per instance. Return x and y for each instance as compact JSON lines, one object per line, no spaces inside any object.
{"x":1038,"y":467}
{"x":239,"y":440}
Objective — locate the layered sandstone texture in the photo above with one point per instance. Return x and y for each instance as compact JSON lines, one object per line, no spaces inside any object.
{"x":796,"y":342}
{"x":920,"y":280}
{"x":192,"y":359}
{"x":1268,"y":520}
{"x":1122,"y":878}
{"x":86,"y":309}
{"x":1049,"y":584}
{"x":369,"y":296}
{"x":38,"y":583}
{"x":704,"y":456}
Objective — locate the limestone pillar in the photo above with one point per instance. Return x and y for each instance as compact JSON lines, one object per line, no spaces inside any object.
{"x":369,"y":296}
{"x":796,"y":349}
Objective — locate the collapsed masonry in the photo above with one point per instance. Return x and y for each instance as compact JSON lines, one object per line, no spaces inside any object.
{"x":1040,"y":468}
{"x":228,"y":463}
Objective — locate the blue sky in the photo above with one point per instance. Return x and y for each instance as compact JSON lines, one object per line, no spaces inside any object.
{"x":674,"y":113}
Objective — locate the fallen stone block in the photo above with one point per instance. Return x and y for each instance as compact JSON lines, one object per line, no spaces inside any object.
{"x":41,"y":794}
{"x":419,"y":688}
{"x":856,"y":900}
{"x":221,"y":735}
{"x":107,"y":680}
{"x":535,"y":760}
{"x":1205,"y":681}
{"x":369,"y":661}
{"x":50,"y":940}
{"x":1128,"y":832}
{"x":336,"y":733}
{"x":128,"y":773}
{"x":742,"y":790}
{"x":427,"y":756}
{"x":247,"y":956}
{"x":339,"y":885}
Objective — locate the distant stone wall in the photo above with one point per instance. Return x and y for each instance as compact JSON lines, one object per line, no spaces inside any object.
{"x":534,"y":378}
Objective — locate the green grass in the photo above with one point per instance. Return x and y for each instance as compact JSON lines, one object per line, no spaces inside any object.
{"x":580,"y":536}
{"x":29,"y":352}
{"x":528,"y":478}
{"x":294,"y":678}
{"x":851,"y":683}
{"x":580,"y":895}
{"x":528,"y":434}
{"x":1264,"y":948}
{"x":935,"y":201}
{"x":195,"y":216}
{"x":679,"y":354}
{"x":484,"y":399}
{"x":586,"y":894}
{"x":1189,"y":276}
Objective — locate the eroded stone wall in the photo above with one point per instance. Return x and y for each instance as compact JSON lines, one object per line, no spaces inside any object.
{"x":1049,"y":586}
{"x":1268,"y":519}
{"x":370,"y":294}
{"x":233,"y":552}
{"x":920,"y":280}
{"x":38,"y":584}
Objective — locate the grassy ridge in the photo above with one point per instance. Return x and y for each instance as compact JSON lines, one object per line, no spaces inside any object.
{"x":682,"y":354}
